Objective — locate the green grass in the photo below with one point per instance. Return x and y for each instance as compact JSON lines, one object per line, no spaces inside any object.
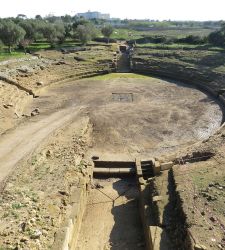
{"x":17,"y":205}
{"x":39,"y":45}
{"x":34,"y":47}
{"x":119,"y":75}
{"x":179,"y":33}
{"x":15,"y":54}
{"x":214,"y":60}
{"x":130,"y":34}
{"x":126,"y":34}
{"x":176,"y":46}
{"x":167,"y":46}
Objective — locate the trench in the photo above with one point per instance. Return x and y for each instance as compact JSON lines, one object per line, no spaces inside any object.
{"x":115,"y":210}
{"x":111,"y":219}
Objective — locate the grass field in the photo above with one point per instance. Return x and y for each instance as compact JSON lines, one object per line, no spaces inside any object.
{"x":45,"y":45}
{"x":15,"y":54}
{"x":34,"y":47}
{"x":127,"y":34}
{"x":176,"y":46}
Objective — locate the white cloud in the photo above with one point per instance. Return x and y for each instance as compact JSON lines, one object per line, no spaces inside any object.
{"x":157,"y":9}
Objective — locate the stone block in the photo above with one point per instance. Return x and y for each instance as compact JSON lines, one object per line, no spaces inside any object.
{"x":199,"y":247}
{"x":75,"y":212}
{"x":166,"y":165}
{"x":156,"y":168}
{"x":141,"y":181}
{"x":155,"y":233}
{"x":76,"y":195}
{"x":157,"y":198}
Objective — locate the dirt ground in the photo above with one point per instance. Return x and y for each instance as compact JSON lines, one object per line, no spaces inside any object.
{"x":16,"y":144}
{"x":127,"y":115}
{"x":201,"y":186}
{"x":36,"y":196}
{"x":138,"y":116}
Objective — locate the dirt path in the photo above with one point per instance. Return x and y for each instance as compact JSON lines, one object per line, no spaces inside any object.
{"x":18,"y":143}
{"x":111,"y":220}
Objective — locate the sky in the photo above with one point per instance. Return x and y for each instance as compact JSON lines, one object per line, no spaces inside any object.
{"x":140,"y":9}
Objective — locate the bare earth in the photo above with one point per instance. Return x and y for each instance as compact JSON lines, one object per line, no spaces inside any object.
{"x":160,"y":117}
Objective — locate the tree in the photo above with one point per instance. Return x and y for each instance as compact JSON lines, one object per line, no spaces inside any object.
{"x":52,"y":19}
{"x":10,"y":33}
{"x":218,"y":37}
{"x":79,"y":21}
{"x":53,"y":32}
{"x":223,"y":26}
{"x":107,"y":31}
{"x":21,"y":16}
{"x":86,"y":32}
{"x":67,"y":19}
{"x":24,"y":44}
{"x":1,"y":45}
{"x":32,"y":29}
{"x":38,"y":17}
{"x":61,"y":31}
{"x":68,"y":30}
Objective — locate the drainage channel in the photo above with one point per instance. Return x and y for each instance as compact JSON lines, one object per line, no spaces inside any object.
{"x":120,"y":211}
{"x":112,"y":219}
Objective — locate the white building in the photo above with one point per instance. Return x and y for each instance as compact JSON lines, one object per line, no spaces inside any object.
{"x":94,"y":15}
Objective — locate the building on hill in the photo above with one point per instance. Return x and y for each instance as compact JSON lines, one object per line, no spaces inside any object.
{"x":94,"y":15}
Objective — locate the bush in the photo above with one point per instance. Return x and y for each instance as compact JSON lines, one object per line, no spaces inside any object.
{"x":217,"y":38}
{"x":104,"y":40}
{"x":150,"y":39}
{"x":191,"y":40}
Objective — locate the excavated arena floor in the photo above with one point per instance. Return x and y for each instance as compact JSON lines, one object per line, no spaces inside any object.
{"x":131,"y":118}
{"x":137,"y":117}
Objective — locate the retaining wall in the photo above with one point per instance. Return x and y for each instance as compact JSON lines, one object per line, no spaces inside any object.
{"x":149,"y":212}
{"x":66,"y":237}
